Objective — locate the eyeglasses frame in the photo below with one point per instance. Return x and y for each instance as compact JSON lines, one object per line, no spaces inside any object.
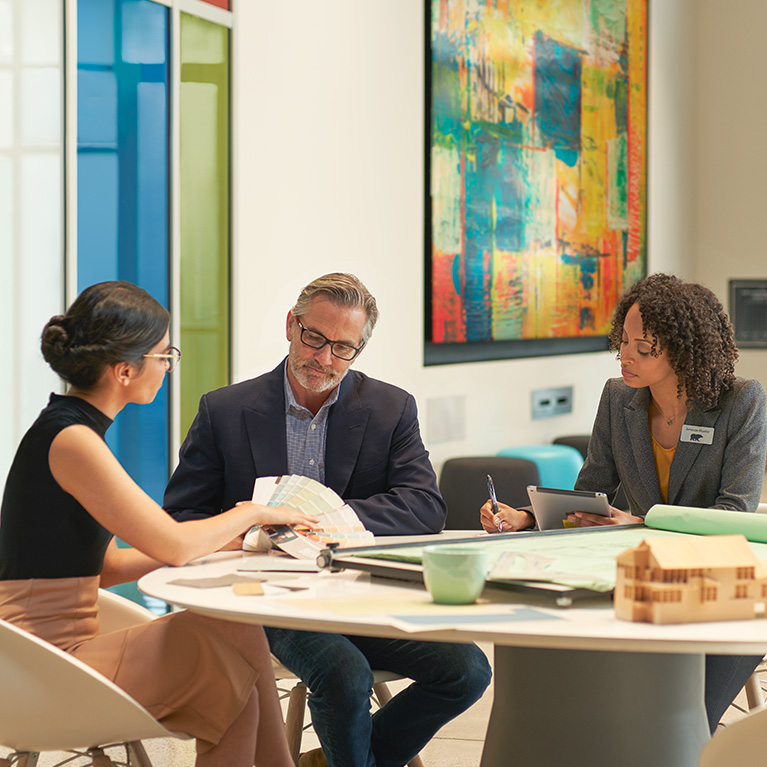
{"x":172,"y":365}
{"x":357,"y":349}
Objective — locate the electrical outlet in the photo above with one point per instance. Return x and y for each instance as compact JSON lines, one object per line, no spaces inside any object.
{"x":550,"y":402}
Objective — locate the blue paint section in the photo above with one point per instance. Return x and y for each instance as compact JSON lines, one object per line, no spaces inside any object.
{"x":558,"y":98}
{"x":496,"y":212}
{"x":588,"y":275}
{"x":456,"y":272}
{"x":480,"y":179}
{"x":123,"y":129}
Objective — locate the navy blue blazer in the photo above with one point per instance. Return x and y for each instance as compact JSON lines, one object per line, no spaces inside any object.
{"x":374,"y":456}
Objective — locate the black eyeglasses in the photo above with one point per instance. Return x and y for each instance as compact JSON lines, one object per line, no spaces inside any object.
{"x":315,"y":340}
{"x":171,"y":358}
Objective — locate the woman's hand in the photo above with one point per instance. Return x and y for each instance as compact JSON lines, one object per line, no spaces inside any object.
{"x":506,"y":520}
{"x":617,"y":517}
{"x":279,"y":515}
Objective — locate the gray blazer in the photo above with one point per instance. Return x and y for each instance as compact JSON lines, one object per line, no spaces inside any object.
{"x":727,"y":474}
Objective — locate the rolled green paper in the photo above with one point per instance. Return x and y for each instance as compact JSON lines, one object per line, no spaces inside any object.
{"x":688,"y":519}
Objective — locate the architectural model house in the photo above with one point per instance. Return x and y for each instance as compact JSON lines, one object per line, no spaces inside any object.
{"x":695,"y":578}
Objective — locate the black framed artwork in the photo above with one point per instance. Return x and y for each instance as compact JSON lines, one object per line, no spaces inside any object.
{"x":536,"y":174}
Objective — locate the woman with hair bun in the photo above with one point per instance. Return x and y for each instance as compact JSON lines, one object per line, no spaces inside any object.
{"x":677,"y":352}
{"x":66,"y":498}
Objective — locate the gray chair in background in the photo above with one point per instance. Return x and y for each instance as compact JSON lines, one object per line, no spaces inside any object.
{"x":579,"y":441}
{"x":463,"y":484}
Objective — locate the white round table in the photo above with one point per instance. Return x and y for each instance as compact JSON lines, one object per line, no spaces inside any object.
{"x":573,"y":686}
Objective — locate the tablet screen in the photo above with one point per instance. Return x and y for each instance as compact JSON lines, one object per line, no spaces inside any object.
{"x":552,"y":505}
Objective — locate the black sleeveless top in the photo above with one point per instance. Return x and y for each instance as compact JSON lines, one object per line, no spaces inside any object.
{"x":44,"y":531}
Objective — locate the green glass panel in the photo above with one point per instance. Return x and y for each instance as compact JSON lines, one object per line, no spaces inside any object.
{"x":204,"y":204}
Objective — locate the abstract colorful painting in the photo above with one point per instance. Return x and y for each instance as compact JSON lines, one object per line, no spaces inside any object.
{"x":537,"y":173}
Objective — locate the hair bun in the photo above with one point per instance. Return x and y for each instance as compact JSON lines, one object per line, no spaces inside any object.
{"x":55,"y":338}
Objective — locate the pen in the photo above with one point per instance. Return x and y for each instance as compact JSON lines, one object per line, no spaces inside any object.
{"x":494,"y":500}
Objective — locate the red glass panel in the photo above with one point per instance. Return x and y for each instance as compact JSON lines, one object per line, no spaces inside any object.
{"x":225,"y":4}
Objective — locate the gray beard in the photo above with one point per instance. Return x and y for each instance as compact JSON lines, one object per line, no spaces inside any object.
{"x":331,"y":379}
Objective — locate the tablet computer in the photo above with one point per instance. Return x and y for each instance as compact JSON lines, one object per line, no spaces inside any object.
{"x":552,"y":505}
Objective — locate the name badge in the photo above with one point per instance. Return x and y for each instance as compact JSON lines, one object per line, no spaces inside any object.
{"x":698,"y":435}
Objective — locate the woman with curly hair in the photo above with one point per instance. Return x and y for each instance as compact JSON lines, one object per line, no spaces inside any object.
{"x":678,"y":427}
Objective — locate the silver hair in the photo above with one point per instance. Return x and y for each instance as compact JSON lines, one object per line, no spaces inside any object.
{"x":343,"y":290}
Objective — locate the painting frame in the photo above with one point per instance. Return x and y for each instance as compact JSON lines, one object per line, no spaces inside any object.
{"x":748,"y":312}
{"x":615,"y":270}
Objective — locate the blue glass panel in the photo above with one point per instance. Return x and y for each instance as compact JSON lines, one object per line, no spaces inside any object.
{"x":95,"y":31}
{"x":122,"y":215}
{"x":143,"y":32}
{"x":97,"y":205}
{"x":97,"y":108}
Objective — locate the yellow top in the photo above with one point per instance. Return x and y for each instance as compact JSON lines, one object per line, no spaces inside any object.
{"x":663,"y":457}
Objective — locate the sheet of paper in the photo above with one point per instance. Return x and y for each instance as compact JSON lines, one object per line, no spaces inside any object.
{"x":213,"y":583}
{"x":276,"y":563}
{"x":578,"y":559}
{"x":411,"y":623}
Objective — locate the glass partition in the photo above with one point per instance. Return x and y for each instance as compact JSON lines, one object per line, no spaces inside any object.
{"x":205,"y":203}
{"x":122,"y":190}
{"x":31,"y":206}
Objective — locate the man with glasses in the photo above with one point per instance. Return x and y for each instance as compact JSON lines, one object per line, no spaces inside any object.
{"x":314,"y":416}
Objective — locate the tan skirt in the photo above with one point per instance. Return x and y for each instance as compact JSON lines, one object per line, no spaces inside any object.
{"x":179,"y":667}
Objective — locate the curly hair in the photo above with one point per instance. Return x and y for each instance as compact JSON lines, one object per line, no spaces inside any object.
{"x":689,"y":325}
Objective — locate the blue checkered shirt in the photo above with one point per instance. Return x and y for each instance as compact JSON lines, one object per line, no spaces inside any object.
{"x":306,"y":434}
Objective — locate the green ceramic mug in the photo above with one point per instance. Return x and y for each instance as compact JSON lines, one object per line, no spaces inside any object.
{"x":454,"y":575}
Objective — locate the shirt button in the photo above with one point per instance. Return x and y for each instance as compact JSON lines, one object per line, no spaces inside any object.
{"x":314,"y":426}
{"x":311,"y":462}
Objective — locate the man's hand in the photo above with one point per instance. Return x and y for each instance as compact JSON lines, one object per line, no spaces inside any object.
{"x":506,"y":520}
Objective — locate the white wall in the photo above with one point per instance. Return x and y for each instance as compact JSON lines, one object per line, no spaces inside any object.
{"x":731,"y":151}
{"x":330,"y":177}
{"x":31,"y":207}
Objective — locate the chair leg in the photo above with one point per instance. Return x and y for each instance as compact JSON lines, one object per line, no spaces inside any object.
{"x":99,"y":758}
{"x":294,"y":719}
{"x":28,"y":759}
{"x":383,"y":696}
{"x":137,"y":755}
{"x":754,"y":694}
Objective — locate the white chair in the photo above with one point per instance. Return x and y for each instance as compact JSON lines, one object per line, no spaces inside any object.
{"x":50,"y":701}
{"x":116,"y":612}
{"x":743,"y":743}
{"x":294,"y":718}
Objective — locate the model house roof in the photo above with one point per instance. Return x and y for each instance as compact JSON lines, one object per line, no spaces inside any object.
{"x":700,"y":551}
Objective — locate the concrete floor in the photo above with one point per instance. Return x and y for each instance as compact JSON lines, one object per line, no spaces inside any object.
{"x":458,"y":744}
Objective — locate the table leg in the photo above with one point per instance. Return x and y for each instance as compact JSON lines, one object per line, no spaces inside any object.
{"x":595,"y":709}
